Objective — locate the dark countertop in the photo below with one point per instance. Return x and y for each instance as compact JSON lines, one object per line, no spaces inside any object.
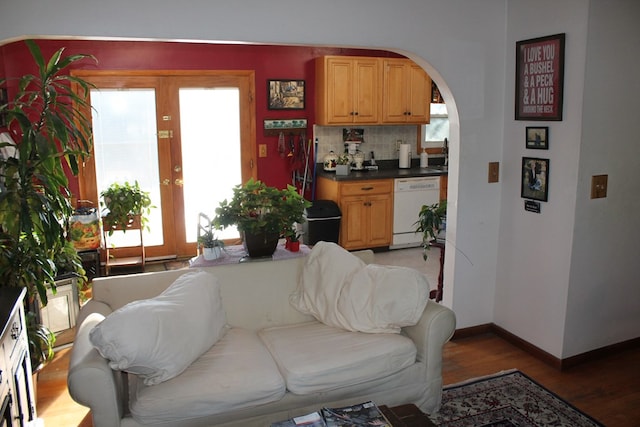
{"x":388,"y":170}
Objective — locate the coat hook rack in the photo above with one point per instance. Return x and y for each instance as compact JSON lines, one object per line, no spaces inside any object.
{"x":286,"y":126}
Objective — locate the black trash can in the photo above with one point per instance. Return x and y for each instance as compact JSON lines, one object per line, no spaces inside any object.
{"x":322,"y":222}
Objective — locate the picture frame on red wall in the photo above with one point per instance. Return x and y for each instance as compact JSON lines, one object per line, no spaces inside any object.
{"x":285,"y":94}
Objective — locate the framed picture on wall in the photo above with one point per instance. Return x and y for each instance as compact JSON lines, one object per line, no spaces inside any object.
{"x":285,"y":94}
{"x":537,"y":137}
{"x":535,"y":179}
{"x":540,"y":78}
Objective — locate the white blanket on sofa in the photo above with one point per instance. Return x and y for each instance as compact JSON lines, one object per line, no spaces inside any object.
{"x":340,"y":290}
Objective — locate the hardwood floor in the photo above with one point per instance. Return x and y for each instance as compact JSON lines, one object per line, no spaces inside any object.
{"x":608,"y":389}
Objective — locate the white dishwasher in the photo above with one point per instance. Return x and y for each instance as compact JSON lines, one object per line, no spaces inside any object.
{"x":410,"y":194}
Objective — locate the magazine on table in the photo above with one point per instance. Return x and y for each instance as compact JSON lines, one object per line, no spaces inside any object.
{"x":362,"y":414}
{"x":313,"y":419}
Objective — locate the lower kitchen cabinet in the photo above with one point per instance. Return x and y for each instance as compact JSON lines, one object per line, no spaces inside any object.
{"x":444,"y":184}
{"x":367,"y":211}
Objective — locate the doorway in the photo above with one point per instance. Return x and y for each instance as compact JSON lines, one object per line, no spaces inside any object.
{"x":185,"y":137}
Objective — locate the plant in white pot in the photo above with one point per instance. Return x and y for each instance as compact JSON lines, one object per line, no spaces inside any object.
{"x":211,"y":245}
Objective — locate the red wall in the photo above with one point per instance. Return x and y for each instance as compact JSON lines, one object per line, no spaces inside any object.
{"x":269,"y":62}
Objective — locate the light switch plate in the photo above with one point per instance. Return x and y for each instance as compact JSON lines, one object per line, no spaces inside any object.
{"x":262,"y":150}
{"x":494,"y":172}
{"x":599,"y":186}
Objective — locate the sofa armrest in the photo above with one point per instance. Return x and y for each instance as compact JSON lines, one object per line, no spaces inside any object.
{"x":93,"y":306}
{"x":430,"y":334}
{"x":92,"y":382}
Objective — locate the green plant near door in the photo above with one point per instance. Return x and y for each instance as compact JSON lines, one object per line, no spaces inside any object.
{"x":431,"y":220}
{"x":48,"y":131}
{"x":122,"y":201}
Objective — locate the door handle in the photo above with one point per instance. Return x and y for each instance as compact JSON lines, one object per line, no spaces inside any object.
{"x":178,"y":182}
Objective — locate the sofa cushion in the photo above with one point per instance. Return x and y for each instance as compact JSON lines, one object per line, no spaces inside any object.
{"x":158,"y":338}
{"x":236,"y":373}
{"x":340,"y":290}
{"x":314,"y":357}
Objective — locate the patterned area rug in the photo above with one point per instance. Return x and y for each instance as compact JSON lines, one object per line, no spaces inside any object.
{"x":506,"y":399}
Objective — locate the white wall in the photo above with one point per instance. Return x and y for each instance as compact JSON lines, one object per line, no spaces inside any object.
{"x":566,"y":280}
{"x":603,"y":304}
{"x":535,"y":249}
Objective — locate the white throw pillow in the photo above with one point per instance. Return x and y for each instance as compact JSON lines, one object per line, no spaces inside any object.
{"x":158,"y":338}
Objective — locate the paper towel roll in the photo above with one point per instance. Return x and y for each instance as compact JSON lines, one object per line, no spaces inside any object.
{"x":404,"y":157}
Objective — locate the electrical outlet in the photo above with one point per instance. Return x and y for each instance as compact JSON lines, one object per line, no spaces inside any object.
{"x":262,"y":150}
{"x":599,"y":186}
{"x":494,"y":172}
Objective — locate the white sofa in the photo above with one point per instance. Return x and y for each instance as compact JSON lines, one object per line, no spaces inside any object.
{"x":255,"y":297}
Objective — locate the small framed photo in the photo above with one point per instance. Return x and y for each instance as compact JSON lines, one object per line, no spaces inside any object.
{"x":537,"y":137}
{"x":535,"y":179}
{"x":285,"y":94}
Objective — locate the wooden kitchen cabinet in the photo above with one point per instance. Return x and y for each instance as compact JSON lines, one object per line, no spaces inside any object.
{"x":367,"y":211}
{"x":406,"y":92}
{"x":347,"y":90}
{"x":444,"y":182}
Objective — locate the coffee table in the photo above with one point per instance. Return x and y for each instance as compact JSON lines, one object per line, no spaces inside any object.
{"x":406,"y":416}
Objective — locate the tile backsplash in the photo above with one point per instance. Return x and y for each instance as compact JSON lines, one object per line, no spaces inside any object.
{"x":379,"y":139}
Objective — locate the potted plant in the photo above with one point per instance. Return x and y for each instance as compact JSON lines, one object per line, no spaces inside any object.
{"x":123,"y":202}
{"x":211,"y":245}
{"x":292,"y":237}
{"x":431,"y":223}
{"x":46,"y":132}
{"x":262,"y":214}
{"x":41,"y":341}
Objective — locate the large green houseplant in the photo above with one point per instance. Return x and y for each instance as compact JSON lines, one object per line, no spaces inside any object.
{"x":261,"y":213}
{"x":45,"y":133}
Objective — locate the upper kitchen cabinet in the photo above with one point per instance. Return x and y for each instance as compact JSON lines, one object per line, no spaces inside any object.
{"x":348,"y":90}
{"x":406,"y":92}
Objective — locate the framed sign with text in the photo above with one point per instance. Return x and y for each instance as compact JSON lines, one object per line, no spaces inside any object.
{"x":540,"y":78}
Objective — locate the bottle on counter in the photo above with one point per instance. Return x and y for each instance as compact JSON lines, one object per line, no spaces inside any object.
{"x":424,"y":158}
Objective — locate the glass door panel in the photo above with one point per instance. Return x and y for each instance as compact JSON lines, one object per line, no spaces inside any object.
{"x":126,"y":150}
{"x":210,"y":146}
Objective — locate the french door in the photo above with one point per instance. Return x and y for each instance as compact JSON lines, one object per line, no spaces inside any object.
{"x":186,"y":137}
